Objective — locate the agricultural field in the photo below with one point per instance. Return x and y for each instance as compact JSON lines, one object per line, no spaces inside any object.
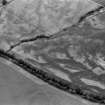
{"x":52,"y":52}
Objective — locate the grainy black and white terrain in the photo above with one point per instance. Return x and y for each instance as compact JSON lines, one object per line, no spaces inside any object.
{"x":52,"y":52}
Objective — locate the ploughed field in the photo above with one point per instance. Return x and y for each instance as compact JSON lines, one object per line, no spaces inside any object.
{"x":48,"y":41}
